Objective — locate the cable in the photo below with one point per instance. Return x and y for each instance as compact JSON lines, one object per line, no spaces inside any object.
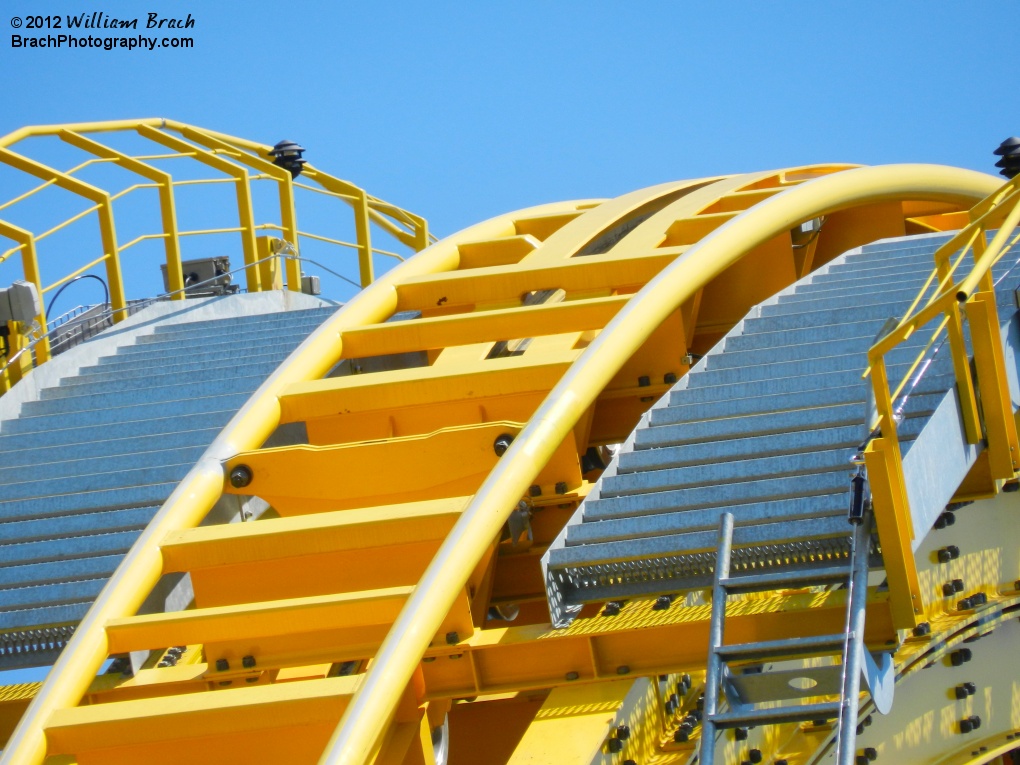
{"x":106,"y":290}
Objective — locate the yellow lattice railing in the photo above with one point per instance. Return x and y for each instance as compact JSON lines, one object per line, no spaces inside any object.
{"x":957,"y":294}
{"x":218,"y":159}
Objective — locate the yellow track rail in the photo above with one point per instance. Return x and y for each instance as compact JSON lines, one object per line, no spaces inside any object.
{"x":555,"y":326}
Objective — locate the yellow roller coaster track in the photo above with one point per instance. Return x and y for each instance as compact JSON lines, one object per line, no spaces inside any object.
{"x":344,"y":628}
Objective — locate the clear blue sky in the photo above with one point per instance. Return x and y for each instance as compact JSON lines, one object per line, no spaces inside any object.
{"x":463,"y":111}
{"x":460,"y":111}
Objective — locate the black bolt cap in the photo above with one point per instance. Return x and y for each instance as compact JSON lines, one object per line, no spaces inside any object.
{"x":954,"y":551}
{"x":644,"y":381}
{"x":241,"y":476}
{"x":1011,"y":486}
{"x":957,"y":585}
{"x":755,"y":756}
{"x":571,"y":675}
{"x":662,"y":602}
{"x":943,"y":555}
{"x":535,"y":491}
{"x":922,"y":629}
{"x":452,"y":638}
{"x":960,"y":692}
{"x":502,"y":443}
{"x":629,"y":762}
{"x":612,"y":608}
{"x":222,"y":665}
{"x":965,"y":604}
{"x":614,"y":745}
{"x":871,"y":753}
{"x":966,"y":726}
{"x":948,"y":590}
{"x":681,"y":736}
{"x":740,"y":734}
{"x":781,"y":762}
{"x":860,"y":760}
{"x":669,"y":378}
{"x":248,"y":662}
{"x":860,"y":729}
{"x":623,"y":669}
{"x":975,"y":721}
{"x":623,"y":732}
{"x":970,"y":688}
{"x":561,"y":487}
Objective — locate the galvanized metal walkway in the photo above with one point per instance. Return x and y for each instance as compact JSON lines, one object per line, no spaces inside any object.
{"x":106,"y":446}
{"x":763,"y":427}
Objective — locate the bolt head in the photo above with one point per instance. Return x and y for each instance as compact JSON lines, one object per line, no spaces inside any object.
{"x":623,"y":732}
{"x":248,"y":662}
{"x":241,"y":476}
{"x":614,"y":745}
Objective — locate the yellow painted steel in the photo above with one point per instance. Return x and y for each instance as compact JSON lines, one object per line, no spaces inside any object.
{"x":366,"y":717}
{"x":548,"y":308}
{"x":216,"y":151}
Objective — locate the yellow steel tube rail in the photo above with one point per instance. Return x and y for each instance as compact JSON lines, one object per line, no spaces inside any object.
{"x":118,"y":301}
{"x":138,"y":573}
{"x":366,"y":718}
{"x":30,"y":265}
{"x":167,"y":208}
{"x":220,"y":152}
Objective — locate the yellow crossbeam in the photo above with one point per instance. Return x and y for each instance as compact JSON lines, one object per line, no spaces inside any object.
{"x":479,"y":286}
{"x":436,"y":332}
{"x":426,"y":386}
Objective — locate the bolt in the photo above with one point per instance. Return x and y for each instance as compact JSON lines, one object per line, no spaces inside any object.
{"x":535,"y":491}
{"x":957,"y":585}
{"x":871,"y":753}
{"x":629,"y":762}
{"x":248,"y":662}
{"x":740,"y":734}
{"x":867,"y":721}
{"x":754,"y":756}
{"x":970,"y":688}
{"x":251,"y":679}
{"x":241,"y":476}
{"x":502,"y":443}
{"x":452,"y":638}
{"x":975,"y":721}
{"x":623,"y":732}
{"x":966,"y":726}
{"x":662,"y":602}
{"x":860,"y":760}
{"x":561,"y":487}
{"x":963,"y":655}
{"x":222,"y":665}
{"x":686,"y":679}
{"x":456,"y":656}
{"x":681,"y":689}
{"x":612,"y":608}
{"x":960,"y":692}
{"x":681,"y":736}
{"x":623,"y":669}
{"x":965,"y":604}
{"x":644,"y":381}
{"x":571,"y":676}
{"x":614,"y":745}
{"x":225,"y":683}
{"x":780,"y":762}
{"x":669,"y":378}
{"x":948,"y":590}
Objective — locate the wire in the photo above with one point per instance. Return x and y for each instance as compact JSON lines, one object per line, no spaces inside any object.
{"x":106,"y":290}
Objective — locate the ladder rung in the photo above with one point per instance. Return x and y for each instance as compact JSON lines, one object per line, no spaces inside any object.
{"x":799,"y":646}
{"x":786,"y":579}
{"x":798,"y":713}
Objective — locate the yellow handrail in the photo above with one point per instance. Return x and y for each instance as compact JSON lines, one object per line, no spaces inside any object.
{"x":232,"y":160}
{"x":1001,"y":210}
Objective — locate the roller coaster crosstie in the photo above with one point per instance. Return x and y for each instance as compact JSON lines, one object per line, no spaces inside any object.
{"x":720,"y":471}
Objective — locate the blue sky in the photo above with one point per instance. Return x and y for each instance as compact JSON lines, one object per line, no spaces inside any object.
{"x":460,"y":111}
{"x":463,"y":111}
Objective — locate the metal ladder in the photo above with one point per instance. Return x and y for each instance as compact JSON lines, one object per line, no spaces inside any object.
{"x":745,"y":693}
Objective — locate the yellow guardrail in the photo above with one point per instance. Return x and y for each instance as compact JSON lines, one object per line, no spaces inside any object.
{"x":953,"y":299}
{"x":224,"y":159}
